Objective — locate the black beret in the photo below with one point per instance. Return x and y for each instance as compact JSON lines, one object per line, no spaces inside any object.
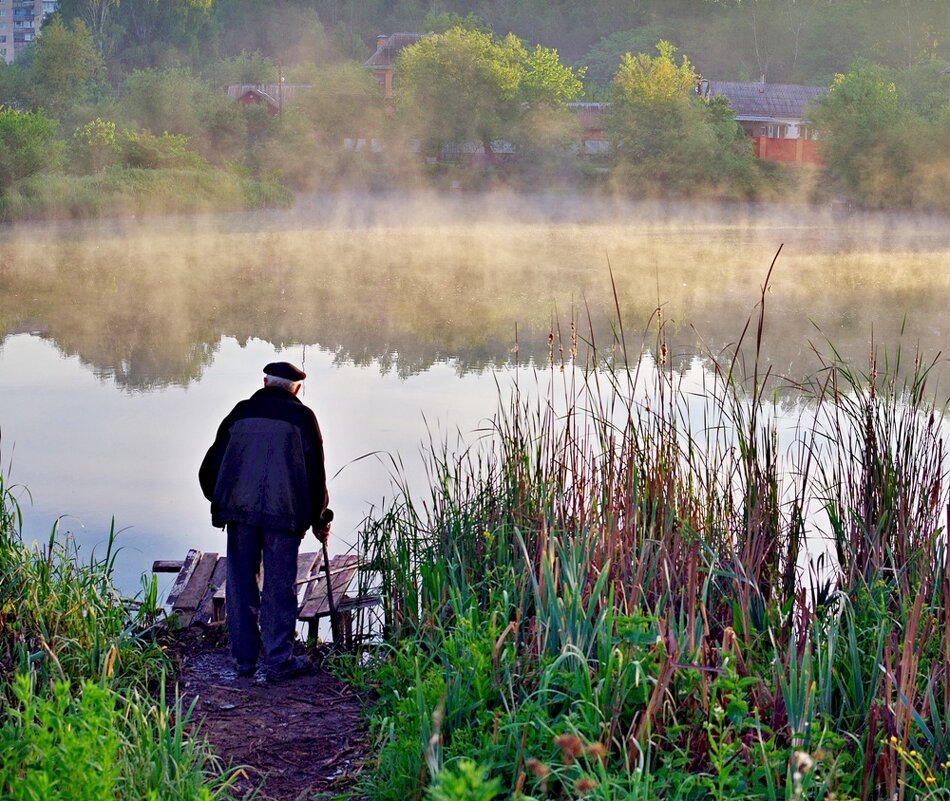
{"x":284,"y":370}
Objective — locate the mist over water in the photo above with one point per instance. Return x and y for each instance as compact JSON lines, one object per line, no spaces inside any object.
{"x":125,"y":342}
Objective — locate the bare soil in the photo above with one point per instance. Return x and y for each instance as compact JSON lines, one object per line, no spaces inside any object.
{"x":292,"y":741}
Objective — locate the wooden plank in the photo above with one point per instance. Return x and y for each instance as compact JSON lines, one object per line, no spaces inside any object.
{"x":360,"y":602}
{"x":305,"y":563}
{"x":218,"y":613}
{"x":316,"y":573}
{"x":187,"y":568}
{"x":342,"y":571}
{"x":205,"y":609}
{"x":167,"y":565}
{"x":198,"y":584}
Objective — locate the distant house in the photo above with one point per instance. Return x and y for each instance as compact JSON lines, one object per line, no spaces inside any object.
{"x":272,"y":96}
{"x":591,"y":119}
{"x":775,"y":115}
{"x":383,"y":61}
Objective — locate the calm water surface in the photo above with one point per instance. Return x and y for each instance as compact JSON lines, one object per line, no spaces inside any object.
{"x":124,"y":344}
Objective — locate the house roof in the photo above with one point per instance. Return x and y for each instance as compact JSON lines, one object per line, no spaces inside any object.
{"x":766,"y":101}
{"x":388,"y":48}
{"x":268,"y":92}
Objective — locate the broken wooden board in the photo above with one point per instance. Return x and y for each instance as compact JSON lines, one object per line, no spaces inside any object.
{"x":191,"y":596}
{"x":316,"y":604}
{"x":198,"y":595}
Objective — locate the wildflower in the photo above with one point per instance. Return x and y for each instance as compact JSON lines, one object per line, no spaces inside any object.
{"x":596,"y":750}
{"x":537,"y":767}
{"x":931,"y":780}
{"x":893,"y":739}
{"x":570,"y":745}
{"x":584,"y":784}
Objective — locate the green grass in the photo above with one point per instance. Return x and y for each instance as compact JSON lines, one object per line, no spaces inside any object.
{"x":82,"y":678}
{"x":128,"y":191}
{"x":608,"y":596}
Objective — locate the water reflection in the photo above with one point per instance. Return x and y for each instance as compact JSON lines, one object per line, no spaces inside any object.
{"x":124,"y":344}
{"x":148,"y":304}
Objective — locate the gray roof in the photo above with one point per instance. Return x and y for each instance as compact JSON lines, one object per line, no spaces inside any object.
{"x":766,"y":101}
{"x":288,"y":92}
{"x":386,"y":52}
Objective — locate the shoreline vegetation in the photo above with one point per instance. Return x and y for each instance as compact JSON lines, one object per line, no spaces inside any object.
{"x":83,"y":683}
{"x":609,"y":596}
{"x":611,"y":593}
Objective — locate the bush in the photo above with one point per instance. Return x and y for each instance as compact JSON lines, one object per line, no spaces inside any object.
{"x":144,"y":150}
{"x":27,"y":144}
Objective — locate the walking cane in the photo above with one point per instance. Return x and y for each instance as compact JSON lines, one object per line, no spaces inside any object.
{"x":334,"y":621}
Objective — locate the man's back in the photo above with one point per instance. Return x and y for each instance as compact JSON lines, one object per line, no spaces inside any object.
{"x":266,"y":465}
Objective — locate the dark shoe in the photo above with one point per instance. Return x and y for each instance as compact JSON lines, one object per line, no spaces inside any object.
{"x":295,"y":666}
{"x":245,"y":671}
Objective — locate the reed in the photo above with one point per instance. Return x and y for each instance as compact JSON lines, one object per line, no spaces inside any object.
{"x":638,"y":566}
{"x":82,"y":678}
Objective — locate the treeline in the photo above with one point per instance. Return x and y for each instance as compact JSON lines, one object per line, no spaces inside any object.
{"x":787,"y":41}
{"x":123,"y":106}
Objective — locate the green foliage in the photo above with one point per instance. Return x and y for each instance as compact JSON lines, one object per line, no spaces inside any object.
{"x":144,"y":150}
{"x":14,"y":86}
{"x":669,"y":140}
{"x":122,"y":191}
{"x":78,"y":666}
{"x":244,"y":68}
{"x":290,"y":32}
{"x":93,"y":147}
{"x":66,"y":66}
{"x":882,"y":148}
{"x":177,"y":102}
{"x":95,"y":744}
{"x":649,"y":81}
{"x":27,"y":144}
{"x":621,"y":629}
{"x":442,"y":21}
{"x":463,"y":781}
{"x":467,"y":86}
{"x":58,"y":746}
{"x":605,"y":57}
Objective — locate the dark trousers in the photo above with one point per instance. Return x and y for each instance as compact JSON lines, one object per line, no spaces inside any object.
{"x":275,"y":606}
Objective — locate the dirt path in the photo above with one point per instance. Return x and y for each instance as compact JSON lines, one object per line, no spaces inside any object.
{"x":296,"y":739}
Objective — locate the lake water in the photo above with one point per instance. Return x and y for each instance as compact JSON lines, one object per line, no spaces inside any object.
{"x":125,"y":343}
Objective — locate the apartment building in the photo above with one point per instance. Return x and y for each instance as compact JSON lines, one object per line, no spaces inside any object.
{"x":20,"y":22}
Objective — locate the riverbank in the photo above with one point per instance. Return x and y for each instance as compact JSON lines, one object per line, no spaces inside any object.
{"x":133,"y":192}
{"x":101,"y":700}
{"x":609,"y":597}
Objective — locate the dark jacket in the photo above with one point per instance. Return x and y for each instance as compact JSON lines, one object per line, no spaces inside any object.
{"x":266,"y":467}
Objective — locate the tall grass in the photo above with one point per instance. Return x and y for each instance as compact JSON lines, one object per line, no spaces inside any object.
{"x":618,"y":591}
{"x":82,"y":678}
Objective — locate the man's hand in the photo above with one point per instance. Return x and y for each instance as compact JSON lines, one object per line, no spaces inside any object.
{"x":322,"y":531}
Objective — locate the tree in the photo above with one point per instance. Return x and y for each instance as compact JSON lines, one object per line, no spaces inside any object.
{"x":27,"y":144}
{"x":669,"y":139}
{"x":174,"y":100}
{"x":604,"y":57}
{"x":65,"y":69}
{"x":466,"y":86}
{"x":858,"y":118}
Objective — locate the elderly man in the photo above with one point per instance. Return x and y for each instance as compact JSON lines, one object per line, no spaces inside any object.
{"x":267,"y":483}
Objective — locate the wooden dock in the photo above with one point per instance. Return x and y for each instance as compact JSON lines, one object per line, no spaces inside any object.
{"x":198,"y":594}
